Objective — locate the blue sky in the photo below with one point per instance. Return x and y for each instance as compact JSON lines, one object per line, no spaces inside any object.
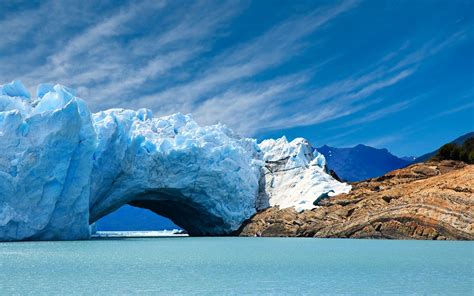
{"x":394,"y":74}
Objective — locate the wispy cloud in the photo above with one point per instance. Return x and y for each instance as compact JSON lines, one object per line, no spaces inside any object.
{"x":382,"y":142}
{"x":174,"y":56}
{"x":380,"y":113}
{"x":273,"y":48}
{"x":469,"y":97}
{"x":108,"y":58}
{"x":427,"y":50}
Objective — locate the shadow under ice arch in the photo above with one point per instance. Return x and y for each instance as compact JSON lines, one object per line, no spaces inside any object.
{"x":195,"y":218}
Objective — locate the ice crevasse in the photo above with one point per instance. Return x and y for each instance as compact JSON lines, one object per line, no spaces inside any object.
{"x":63,"y":168}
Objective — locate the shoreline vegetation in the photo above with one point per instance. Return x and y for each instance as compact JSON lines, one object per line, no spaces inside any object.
{"x":453,"y":151}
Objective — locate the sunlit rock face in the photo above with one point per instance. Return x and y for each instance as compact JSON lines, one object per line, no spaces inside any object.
{"x":62,"y":168}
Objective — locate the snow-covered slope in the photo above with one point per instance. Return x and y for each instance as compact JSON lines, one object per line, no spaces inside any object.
{"x":294,"y":175}
{"x":62,"y":168}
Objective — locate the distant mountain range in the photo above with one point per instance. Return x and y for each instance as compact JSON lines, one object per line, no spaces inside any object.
{"x":409,"y":158}
{"x":129,"y":218}
{"x":361,"y":162}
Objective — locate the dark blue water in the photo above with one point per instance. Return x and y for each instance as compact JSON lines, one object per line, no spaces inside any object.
{"x":237,"y":266}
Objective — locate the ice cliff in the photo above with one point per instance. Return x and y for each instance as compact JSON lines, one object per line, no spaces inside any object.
{"x":62,"y":168}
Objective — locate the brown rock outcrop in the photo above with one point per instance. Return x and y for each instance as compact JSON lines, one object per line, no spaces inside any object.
{"x":432,"y":200}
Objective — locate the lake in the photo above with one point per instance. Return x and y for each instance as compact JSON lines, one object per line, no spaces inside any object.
{"x":234,"y":265}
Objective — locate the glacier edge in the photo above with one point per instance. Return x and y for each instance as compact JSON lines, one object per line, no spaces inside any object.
{"x":63,"y":168}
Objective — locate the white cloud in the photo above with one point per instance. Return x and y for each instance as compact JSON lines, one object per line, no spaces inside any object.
{"x":116,"y":59}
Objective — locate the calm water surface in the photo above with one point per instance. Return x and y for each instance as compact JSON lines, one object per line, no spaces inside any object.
{"x":234,"y":266}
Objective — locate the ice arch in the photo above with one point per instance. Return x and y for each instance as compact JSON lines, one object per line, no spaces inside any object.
{"x":205,"y":179}
{"x":62,"y":168}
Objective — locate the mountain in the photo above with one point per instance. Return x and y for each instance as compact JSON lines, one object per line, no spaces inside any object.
{"x":458,"y":141}
{"x":361,"y":162}
{"x":129,"y":218}
{"x":408,"y":158}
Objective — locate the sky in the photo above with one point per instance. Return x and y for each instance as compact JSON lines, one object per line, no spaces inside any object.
{"x":389,"y":74}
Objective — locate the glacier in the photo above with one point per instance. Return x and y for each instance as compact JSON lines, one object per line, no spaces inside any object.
{"x":62,"y":168}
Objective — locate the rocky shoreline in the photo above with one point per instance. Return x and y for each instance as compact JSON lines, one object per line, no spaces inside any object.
{"x":431,"y":201}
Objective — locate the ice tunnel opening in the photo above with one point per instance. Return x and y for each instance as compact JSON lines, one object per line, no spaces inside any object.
{"x":171,"y":207}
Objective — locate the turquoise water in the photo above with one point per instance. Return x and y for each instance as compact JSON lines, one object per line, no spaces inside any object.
{"x":235,"y":266}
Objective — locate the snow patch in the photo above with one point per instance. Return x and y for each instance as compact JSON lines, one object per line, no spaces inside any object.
{"x":294,"y":175}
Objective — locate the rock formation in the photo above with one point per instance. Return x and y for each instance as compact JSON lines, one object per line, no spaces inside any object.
{"x":431,"y":200}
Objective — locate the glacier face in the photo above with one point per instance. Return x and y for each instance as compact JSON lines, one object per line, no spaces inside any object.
{"x":45,"y":151}
{"x":62,"y":168}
